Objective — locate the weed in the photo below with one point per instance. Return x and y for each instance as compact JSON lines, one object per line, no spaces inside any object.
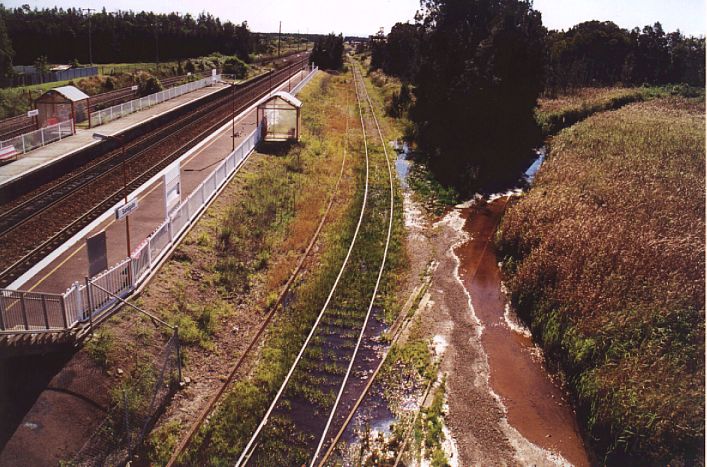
{"x":100,"y":347}
{"x":605,"y":261}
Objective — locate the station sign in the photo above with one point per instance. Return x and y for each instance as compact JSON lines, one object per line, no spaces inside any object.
{"x":126,"y":209}
{"x":133,"y":88}
{"x":33,"y":113}
{"x":97,"y":249}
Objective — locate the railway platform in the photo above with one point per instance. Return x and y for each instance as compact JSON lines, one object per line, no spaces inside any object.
{"x":46,"y":156}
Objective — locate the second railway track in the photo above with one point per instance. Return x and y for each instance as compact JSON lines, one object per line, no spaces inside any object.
{"x":294,"y":428}
{"x":32,"y":228}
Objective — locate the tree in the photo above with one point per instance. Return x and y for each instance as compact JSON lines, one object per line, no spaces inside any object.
{"x":235,"y":66}
{"x":480,"y":73}
{"x":7,"y":53}
{"x":41,"y":66}
{"x":328,"y":52}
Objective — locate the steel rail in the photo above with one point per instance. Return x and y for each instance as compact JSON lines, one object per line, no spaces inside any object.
{"x":380,"y":270}
{"x":247,"y":450}
{"x":271,"y":313}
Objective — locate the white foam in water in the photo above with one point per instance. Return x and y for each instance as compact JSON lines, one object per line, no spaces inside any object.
{"x":514,"y":324}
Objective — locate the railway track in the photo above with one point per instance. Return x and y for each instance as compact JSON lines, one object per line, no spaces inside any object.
{"x":42,"y":221}
{"x":294,"y":428}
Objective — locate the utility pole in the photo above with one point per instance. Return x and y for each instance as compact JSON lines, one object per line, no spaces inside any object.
{"x":157,"y":48}
{"x":90,"y":45}
{"x":278,"y":39}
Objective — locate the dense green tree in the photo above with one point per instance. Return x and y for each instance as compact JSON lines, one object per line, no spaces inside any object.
{"x":599,"y":53}
{"x":480,"y":73}
{"x":123,"y":36}
{"x":7,"y":53}
{"x":328,"y":52}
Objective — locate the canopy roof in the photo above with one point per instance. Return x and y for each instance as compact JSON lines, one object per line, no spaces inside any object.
{"x":72,"y":93}
{"x":286,"y":96}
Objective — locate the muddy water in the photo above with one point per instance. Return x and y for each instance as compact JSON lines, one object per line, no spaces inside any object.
{"x":535,"y":404}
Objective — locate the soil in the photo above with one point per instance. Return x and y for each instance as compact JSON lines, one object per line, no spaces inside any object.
{"x":503,"y":407}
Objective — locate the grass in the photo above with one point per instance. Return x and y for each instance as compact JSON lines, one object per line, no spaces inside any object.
{"x":324,"y":130}
{"x":232,"y":425}
{"x":604,"y":258}
{"x":558,"y":112}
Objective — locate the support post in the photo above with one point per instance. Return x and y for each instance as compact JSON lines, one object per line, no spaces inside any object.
{"x":24,"y":311}
{"x":89,"y":294}
{"x":179,"y":354}
{"x":44,"y":310}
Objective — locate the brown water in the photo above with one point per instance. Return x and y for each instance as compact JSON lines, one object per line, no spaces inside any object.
{"x":537,"y":406}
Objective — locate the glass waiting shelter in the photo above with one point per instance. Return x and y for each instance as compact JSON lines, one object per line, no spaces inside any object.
{"x":62,"y":104}
{"x":279,"y":117}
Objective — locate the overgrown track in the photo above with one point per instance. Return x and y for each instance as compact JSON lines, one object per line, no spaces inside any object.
{"x":294,"y":427}
{"x":43,"y":221}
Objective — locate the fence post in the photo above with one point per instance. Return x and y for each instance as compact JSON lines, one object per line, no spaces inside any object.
{"x":41,"y":132}
{"x":89,"y":295}
{"x":23,"y":144}
{"x":44,"y":310}
{"x":2,"y":312}
{"x":24,"y":311}
{"x":179,"y":354}
{"x":64,"y":315}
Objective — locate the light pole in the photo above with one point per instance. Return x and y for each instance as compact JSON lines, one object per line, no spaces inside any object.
{"x":120,"y":141}
{"x":90,"y":45}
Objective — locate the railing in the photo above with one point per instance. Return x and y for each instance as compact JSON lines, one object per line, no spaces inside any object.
{"x":22,"y":312}
{"x":38,"y":138}
{"x":117,"y":111}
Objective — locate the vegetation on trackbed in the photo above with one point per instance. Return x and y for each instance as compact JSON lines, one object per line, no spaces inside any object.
{"x":605,"y":259}
{"x":222,"y":440}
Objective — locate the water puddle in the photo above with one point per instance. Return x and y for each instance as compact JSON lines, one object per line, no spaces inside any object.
{"x":402,"y":162}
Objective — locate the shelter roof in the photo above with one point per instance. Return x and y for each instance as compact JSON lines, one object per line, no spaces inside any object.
{"x":70,"y":92}
{"x":287,"y":97}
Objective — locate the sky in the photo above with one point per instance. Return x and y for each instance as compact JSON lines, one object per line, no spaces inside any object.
{"x":364,"y":17}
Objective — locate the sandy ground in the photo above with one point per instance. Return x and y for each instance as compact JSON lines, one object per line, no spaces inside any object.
{"x":485,"y":429}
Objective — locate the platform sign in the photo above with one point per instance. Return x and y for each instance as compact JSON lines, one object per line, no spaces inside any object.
{"x":97,"y":253}
{"x":126,"y":209}
{"x":33,"y":113}
{"x":133,"y":88}
{"x":172,"y":188}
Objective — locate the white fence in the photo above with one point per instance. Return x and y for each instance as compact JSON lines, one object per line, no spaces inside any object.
{"x":101,"y":117}
{"x":38,"y":138}
{"x":40,"y":312}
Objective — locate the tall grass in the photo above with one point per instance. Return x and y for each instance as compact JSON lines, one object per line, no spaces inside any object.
{"x":558,"y":112}
{"x":605,"y":259}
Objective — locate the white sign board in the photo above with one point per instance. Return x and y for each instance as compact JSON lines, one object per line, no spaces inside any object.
{"x":172,"y":188}
{"x":133,"y":88}
{"x":126,"y":209}
{"x":33,"y":113}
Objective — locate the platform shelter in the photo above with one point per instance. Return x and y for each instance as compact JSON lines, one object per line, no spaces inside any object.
{"x":62,"y":104}
{"x":279,"y":116}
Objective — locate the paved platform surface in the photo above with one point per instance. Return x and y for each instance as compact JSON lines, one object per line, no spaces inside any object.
{"x":72,"y":265}
{"x":57,"y":150}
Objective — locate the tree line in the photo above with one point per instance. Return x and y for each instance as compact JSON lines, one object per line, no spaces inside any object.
{"x":477,"y":68}
{"x":62,"y":36}
{"x":599,"y":53}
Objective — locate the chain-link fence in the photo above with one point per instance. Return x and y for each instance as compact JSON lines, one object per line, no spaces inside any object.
{"x":136,"y":405}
